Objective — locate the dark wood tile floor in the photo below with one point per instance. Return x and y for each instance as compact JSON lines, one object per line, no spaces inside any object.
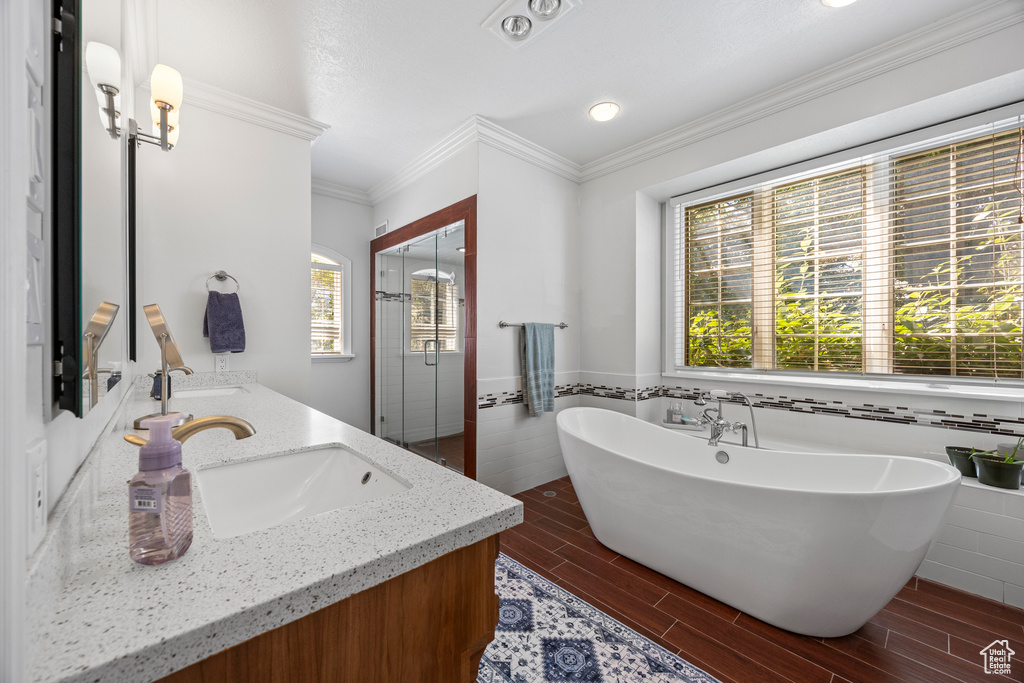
{"x":929,"y":633}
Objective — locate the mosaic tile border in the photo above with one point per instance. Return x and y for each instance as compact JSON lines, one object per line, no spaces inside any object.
{"x":1000,"y":425}
{"x":974,"y":422}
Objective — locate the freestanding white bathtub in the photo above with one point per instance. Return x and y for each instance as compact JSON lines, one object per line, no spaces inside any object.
{"x":815,"y":543}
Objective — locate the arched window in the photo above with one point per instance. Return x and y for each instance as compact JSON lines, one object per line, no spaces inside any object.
{"x":330,"y":308}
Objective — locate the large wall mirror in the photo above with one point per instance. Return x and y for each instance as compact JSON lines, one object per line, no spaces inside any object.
{"x":91,"y":311}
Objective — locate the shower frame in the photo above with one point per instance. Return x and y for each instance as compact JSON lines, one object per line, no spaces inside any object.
{"x":465,"y":211}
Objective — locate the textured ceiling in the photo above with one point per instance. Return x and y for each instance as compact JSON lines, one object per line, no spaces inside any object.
{"x":393,"y":77}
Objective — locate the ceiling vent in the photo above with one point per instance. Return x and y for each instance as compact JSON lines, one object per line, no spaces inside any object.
{"x":518,"y":22}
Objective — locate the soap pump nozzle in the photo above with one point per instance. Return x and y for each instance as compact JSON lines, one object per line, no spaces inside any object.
{"x":162,"y":450}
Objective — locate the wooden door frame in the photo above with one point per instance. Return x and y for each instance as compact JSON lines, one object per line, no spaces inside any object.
{"x":465,"y":211}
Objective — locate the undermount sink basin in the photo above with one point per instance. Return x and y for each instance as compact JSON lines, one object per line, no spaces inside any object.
{"x":259,"y":494}
{"x":207,"y":392}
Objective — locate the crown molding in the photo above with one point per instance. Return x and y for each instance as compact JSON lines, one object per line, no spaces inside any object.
{"x":348,"y":194}
{"x":240,"y":108}
{"x":490,"y":133}
{"x":940,"y":36}
{"x":453,"y":143}
{"x":475,"y":129}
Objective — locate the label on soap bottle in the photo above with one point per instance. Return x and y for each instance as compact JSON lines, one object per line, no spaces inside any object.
{"x":144,"y":499}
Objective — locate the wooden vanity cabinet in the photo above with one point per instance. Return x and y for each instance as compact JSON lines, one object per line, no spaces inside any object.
{"x":430,"y":624}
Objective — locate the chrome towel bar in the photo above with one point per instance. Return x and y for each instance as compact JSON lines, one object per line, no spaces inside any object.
{"x":503,"y":324}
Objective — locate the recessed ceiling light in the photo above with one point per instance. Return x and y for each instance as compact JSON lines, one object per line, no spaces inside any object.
{"x":516,"y":26}
{"x":837,"y":3}
{"x":545,"y":9}
{"x":605,"y":111}
{"x":462,"y":249}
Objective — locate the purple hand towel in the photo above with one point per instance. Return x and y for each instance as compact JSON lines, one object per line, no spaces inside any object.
{"x":222,"y":323}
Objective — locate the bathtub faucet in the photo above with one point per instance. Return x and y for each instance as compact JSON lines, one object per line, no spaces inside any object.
{"x":719,"y":425}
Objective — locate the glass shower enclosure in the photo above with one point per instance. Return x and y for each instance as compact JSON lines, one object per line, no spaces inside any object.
{"x":420,"y":321}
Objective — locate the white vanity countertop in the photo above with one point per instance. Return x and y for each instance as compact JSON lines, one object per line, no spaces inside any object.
{"x":116,"y":620}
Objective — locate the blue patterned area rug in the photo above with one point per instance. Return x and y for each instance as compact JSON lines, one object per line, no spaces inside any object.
{"x":546,"y":634}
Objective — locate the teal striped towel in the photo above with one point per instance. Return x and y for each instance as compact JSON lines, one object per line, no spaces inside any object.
{"x":538,"y":361}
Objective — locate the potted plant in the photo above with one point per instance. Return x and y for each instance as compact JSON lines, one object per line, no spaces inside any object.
{"x":960,"y":458}
{"x":997,"y":470}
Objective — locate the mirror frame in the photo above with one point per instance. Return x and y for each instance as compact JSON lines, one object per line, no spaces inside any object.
{"x":66,"y":248}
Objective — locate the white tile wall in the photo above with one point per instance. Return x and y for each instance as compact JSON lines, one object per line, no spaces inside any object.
{"x":1014,"y":595}
{"x":516,"y":452}
{"x":981,"y":547}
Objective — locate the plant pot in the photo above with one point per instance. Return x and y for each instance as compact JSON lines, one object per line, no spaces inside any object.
{"x":1004,"y":475}
{"x":960,"y":458}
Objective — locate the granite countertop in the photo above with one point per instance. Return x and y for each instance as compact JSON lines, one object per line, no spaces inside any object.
{"x":115,"y":620}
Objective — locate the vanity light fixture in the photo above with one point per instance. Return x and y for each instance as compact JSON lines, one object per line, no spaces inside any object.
{"x":837,"y":3}
{"x":104,"y":65}
{"x":604,"y":111}
{"x":166,"y":88}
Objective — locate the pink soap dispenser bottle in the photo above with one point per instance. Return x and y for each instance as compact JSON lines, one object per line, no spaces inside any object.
{"x":160,"y":497}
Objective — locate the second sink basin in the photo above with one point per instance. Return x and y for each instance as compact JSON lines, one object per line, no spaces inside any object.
{"x":258,"y":494}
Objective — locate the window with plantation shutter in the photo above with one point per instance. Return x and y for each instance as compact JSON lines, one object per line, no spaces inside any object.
{"x":906,"y":262}
{"x":326,"y":317}
{"x":957,"y":245}
{"x":719,"y":256}
{"x":818,"y":230}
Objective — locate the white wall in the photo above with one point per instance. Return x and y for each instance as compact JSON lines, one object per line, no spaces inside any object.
{"x":231,"y":196}
{"x":528,"y":270}
{"x":341,"y":389}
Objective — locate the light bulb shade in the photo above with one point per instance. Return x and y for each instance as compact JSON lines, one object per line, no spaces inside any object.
{"x":605,"y":111}
{"x":104,"y":65}
{"x":166,"y":86}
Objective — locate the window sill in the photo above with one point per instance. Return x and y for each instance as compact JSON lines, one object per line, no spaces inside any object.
{"x":936,"y":387}
{"x":337,"y":358}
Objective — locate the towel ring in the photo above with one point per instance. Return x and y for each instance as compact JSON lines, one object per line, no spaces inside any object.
{"x":221,"y":277}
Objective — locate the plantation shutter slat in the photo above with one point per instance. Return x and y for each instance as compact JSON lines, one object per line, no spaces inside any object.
{"x":908,"y":263}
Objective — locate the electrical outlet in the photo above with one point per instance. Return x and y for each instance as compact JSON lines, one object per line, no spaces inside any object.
{"x":38,"y":507}
{"x":220,"y":362}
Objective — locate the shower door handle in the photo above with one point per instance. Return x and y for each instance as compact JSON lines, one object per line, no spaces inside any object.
{"x":425,"y":361}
